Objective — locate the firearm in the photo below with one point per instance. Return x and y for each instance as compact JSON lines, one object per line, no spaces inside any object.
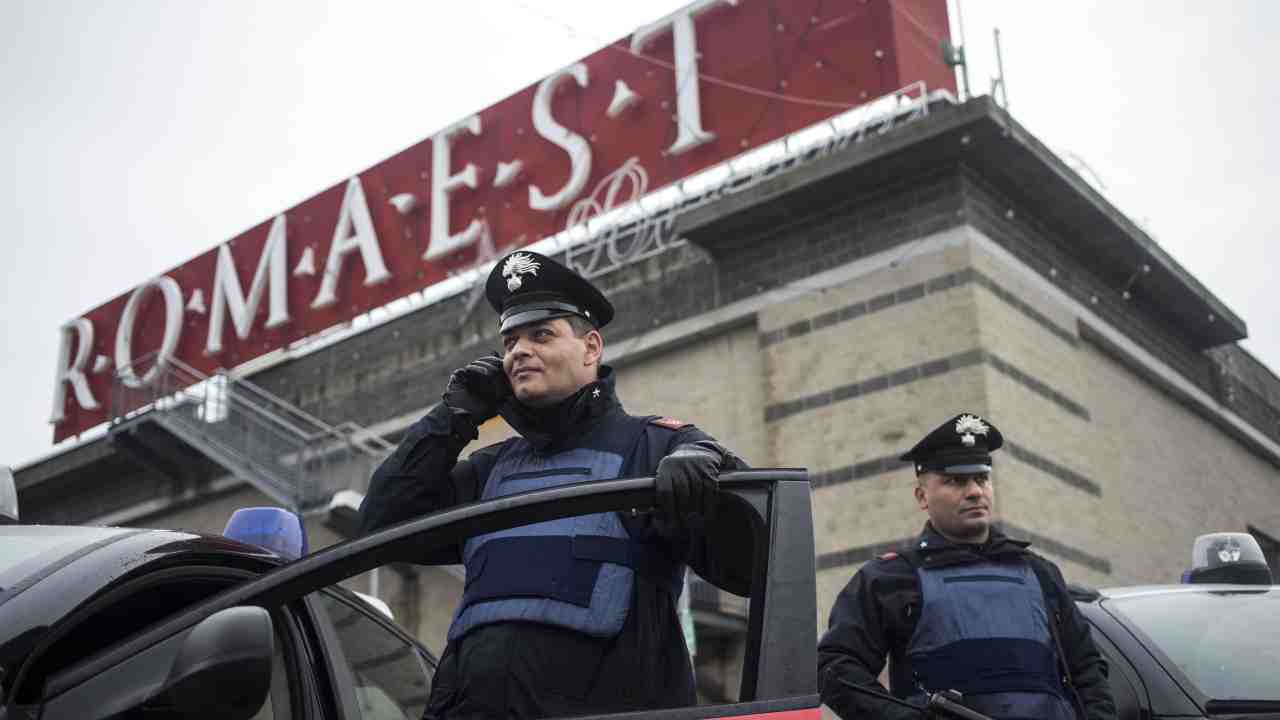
{"x":945,"y":704}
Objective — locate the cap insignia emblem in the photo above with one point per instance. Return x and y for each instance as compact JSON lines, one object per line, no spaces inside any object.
{"x":515,"y":266}
{"x":1230,"y":552}
{"x":969,"y":425}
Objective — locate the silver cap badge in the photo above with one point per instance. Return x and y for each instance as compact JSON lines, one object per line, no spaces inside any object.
{"x":1230,"y":552}
{"x":969,"y":425}
{"x":515,"y":266}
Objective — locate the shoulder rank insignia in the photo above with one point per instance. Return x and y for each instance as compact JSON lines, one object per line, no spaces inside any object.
{"x":670,"y":423}
{"x":888,"y":556}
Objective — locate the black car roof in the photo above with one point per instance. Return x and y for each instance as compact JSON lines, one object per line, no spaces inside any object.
{"x":54,"y":546}
{"x":1116,"y":593}
{"x":1082,"y":593}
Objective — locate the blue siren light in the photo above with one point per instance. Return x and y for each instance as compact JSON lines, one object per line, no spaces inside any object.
{"x":273,"y":528}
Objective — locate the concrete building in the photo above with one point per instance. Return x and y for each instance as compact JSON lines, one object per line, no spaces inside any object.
{"x":828,"y":316}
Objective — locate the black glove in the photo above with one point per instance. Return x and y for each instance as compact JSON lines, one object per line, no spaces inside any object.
{"x":686,"y":481}
{"x":478,"y":390}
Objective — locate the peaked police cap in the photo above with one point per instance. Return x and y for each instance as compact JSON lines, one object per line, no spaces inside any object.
{"x":959,"y":446}
{"x":525,"y":287}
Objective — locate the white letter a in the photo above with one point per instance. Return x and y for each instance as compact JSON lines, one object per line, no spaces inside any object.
{"x":353,"y":232}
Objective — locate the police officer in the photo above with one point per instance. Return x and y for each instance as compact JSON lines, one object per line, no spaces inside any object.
{"x":964,"y":608}
{"x":569,"y":616}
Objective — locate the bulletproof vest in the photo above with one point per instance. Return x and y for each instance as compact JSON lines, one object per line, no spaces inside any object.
{"x":983,"y":630}
{"x":575,"y":572}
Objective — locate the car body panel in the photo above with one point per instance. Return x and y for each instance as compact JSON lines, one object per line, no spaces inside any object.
{"x":1163,"y":689}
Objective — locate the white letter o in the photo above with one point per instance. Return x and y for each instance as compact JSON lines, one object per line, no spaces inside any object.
{"x":172,"y":331}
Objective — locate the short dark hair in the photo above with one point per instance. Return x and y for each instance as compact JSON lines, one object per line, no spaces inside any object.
{"x":581,"y":326}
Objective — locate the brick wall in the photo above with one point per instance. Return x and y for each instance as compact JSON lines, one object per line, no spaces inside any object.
{"x":756,"y":256}
{"x":1048,"y":252}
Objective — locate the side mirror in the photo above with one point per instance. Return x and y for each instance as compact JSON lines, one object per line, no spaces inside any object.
{"x":223,"y":669}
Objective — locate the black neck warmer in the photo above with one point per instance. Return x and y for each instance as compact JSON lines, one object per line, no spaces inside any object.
{"x":551,"y":427}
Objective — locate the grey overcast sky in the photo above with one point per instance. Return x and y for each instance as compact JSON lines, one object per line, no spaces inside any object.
{"x":138,"y":134}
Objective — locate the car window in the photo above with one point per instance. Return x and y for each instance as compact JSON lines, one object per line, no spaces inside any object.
{"x":1121,"y":678}
{"x":1227,"y":643}
{"x":125,"y":611}
{"x":392,"y":679}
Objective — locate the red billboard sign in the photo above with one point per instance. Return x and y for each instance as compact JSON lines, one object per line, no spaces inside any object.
{"x":679,"y":95}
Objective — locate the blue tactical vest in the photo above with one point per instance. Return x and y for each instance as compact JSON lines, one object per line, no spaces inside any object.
{"x":984,"y":630}
{"x":574,"y":572}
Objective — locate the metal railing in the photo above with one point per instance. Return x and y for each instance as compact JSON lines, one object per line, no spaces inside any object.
{"x":295,"y":458}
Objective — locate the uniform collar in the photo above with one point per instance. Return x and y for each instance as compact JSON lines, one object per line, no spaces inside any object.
{"x":554,"y":426}
{"x":998,"y":544}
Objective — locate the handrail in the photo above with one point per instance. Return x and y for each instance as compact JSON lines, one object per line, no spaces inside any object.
{"x":323,"y":429}
{"x":284,"y":451}
{"x":281,"y":402}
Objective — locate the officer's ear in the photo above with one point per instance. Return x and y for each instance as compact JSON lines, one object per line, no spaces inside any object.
{"x":595,"y":347}
{"x":922,"y":499}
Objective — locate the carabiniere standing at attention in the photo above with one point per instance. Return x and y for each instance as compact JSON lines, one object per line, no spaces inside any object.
{"x":964,"y":608}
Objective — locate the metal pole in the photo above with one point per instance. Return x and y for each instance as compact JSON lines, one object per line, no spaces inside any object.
{"x":964,"y":62}
{"x":1004,"y":89}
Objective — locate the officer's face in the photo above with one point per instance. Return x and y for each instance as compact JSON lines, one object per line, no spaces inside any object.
{"x":959,"y":506}
{"x":546,"y":362}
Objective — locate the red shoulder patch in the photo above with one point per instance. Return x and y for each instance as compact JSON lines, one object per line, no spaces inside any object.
{"x":670,"y":423}
{"x":889,"y":556}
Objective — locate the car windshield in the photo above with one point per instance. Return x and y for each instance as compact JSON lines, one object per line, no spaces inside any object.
{"x":26,"y":550}
{"x":1227,"y":642}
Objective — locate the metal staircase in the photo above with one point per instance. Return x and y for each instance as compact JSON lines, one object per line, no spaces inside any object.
{"x":293,"y":457}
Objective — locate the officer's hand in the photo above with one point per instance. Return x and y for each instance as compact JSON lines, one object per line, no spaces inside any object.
{"x":478,"y":389}
{"x":687,"y":479}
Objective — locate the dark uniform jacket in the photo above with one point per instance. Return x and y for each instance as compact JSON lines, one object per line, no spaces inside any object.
{"x":522,"y":669}
{"x":875,"y":616}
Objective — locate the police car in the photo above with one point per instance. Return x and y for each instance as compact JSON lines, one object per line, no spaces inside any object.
{"x":100,"y":623}
{"x":1209,"y":647}
{"x":67,"y":593}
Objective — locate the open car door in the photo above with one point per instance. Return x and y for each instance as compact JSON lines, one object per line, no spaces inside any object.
{"x":770,"y":507}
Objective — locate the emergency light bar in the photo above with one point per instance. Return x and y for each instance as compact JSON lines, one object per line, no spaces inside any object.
{"x":273,"y":528}
{"x":1234,"y":558}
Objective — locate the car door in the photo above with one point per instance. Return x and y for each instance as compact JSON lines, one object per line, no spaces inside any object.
{"x":770,"y":507}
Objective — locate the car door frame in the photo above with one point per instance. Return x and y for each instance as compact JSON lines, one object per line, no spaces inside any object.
{"x":1103,"y":626}
{"x":772,"y":506}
